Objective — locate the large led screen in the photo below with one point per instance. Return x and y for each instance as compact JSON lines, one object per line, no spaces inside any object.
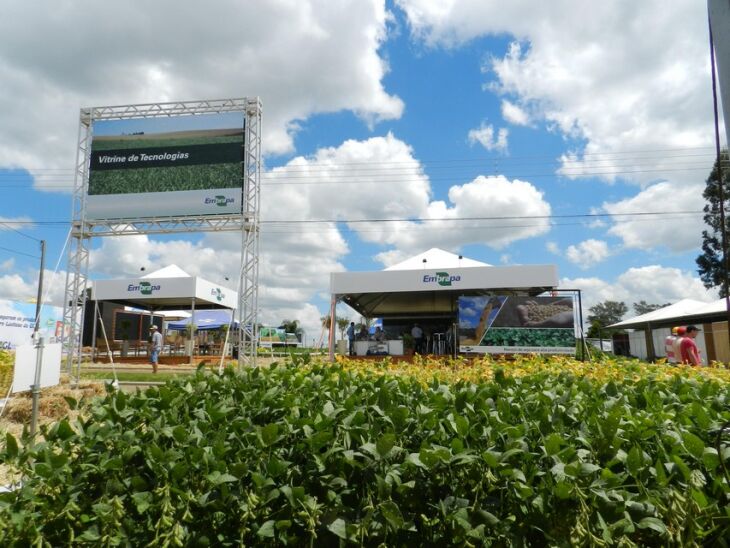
{"x":166,"y":166}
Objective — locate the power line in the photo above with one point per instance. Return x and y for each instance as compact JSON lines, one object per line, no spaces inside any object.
{"x":484,"y":218}
{"x":7,"y":225}
{"x":358,"y":180}
{"x":19,"y":252}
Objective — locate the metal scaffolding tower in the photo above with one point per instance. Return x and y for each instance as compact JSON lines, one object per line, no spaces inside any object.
{"x":247,"y":222}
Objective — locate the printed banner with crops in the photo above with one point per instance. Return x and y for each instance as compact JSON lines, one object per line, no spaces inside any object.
{"x":516,"y":325}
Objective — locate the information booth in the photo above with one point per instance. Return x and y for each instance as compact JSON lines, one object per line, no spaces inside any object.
{"x":170,"y":288}
{"x":459,"y":305}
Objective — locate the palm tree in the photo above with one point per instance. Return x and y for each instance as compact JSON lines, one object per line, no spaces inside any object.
{"x":342,"y":325}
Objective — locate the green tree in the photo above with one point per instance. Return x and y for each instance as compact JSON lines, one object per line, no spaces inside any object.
{"x":709,"y":263}
{"x":291,"y":326}
{"x":604,"y":314}
{"x":642,"y":307}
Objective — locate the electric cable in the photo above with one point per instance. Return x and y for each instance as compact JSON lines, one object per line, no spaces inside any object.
{"x":19,"y":252}
{"x":9,"y":227}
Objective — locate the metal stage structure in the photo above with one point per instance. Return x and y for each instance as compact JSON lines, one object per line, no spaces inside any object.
{"x":84,"y":229}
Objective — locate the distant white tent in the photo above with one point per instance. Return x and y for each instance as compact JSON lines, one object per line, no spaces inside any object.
{"x":673,"y":311}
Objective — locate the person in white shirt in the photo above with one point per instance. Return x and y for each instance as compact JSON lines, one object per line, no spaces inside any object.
{"x":155,"y":347}
{"x":417,"y":334}
{"x":680,"y":333}
{"x":669,"y":346}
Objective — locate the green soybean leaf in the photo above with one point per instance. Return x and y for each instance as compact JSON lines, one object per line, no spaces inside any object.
{"x":339,"y":528}
{"x":654,"y":524}
{"x":142,"y":501}
{"x":216,"y":478}
{"x":385,"y":444}
{"x":392,"y":514}
{"x":267,"y":529}
{"x":553,"y":443}
{"x":269,"y":434}
{"x":695,"y":446}
{"x":63,"y":430}
{"x":11,"y":445}
{"x":635,"y":461}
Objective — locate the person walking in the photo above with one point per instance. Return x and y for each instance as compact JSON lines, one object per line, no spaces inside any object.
{"x":690,"y":354}
{"x":351,"y":338}
{"x":155,"y":347}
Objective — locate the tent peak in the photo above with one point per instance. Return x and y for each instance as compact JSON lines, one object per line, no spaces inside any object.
{"x":436,"y":258}
{"x":170,"y":271}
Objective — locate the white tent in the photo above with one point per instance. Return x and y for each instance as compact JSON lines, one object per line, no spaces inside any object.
{"x":665,"y":314}
{"x":169,"y":288}
{"x":416,"y":288}
{"x":436,"y":258}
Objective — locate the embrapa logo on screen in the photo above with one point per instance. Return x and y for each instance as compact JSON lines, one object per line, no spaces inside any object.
{"x":219,"y":200}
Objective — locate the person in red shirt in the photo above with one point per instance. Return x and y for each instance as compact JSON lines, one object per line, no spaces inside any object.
{"x":689,"y":352}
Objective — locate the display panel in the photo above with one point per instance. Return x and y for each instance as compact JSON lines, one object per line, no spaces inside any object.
{"x":166,"y":166}
{"x":516,"y":325}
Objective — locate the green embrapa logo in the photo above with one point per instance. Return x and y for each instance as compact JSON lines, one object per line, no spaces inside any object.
{"x":219,"y":200}
{"x":218,"y":294}
{"x":145,"y":288}
{"x":441,"y":278}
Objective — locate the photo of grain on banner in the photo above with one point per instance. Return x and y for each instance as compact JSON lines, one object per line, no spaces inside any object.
{"x":521,"y":325}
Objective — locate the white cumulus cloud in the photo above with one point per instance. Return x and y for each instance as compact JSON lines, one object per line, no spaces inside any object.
{"x":485,"y":136}
{"x":514,"y":114}
{"x":624,"y":76}
{"x":587,"y":253}
{"x":654,"y":284}
{"x":680,"y":231}
{"x":53,"y":61}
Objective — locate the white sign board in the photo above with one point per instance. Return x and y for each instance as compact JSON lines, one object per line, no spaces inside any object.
{"x":211,"y":292}
{"x":143,"y":288}
{"x":453,"y":279}
{"x":17,"y":321}
{"x":25,"y":362}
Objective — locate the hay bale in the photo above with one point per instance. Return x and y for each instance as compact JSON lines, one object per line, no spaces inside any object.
{"x":19,"y":410}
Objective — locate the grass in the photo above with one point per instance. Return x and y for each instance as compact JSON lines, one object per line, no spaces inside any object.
{"x":133,"y":376}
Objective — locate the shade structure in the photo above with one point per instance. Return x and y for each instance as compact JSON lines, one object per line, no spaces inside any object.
{"x":205,"y":320}
{"x":426,"y":289}
{"x":682,"y":312}
{"x":433,"y":289}
{"x":170,"y":288}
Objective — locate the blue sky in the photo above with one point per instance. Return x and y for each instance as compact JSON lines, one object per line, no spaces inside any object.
{"x":391,"y":110}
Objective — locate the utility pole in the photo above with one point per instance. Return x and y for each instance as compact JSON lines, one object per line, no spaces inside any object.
{"x":38,"y":339}
{"x":718,"y":12}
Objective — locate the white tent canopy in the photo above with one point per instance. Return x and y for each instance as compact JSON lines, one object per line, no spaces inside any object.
{"x":170,"y":288}
{"x":432,"y":287}
{"x":436,"y":258}
{"x":668,"y":313}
